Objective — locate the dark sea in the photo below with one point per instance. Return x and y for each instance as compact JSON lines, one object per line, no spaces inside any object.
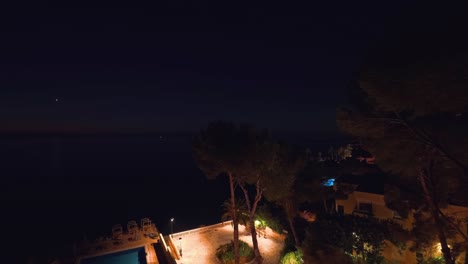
{"x":60,"y":189}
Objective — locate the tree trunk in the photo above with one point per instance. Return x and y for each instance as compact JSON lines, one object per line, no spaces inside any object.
{"x":454,"y":225}
{"x":437,"y":220}
{"x":291,"y":213}
{"x":235,"y":219}
{"x":253,"y":231}
{"x":252,"y":210}
{"x":293,"y":230}
{"x":443,"y":239}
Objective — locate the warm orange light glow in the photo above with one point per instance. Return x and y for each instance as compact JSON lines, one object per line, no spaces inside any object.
{"x":200,"y":247}
{"x":438,"y":248}
{"x":308,"y":216}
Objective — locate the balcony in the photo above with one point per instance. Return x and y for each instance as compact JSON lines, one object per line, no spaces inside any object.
{"x":363,"y":209}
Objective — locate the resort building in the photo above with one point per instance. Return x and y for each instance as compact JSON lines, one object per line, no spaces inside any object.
{"x":364,"y":196}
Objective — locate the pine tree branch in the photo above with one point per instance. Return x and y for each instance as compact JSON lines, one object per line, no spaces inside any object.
{"x":454,"y":225}
{"x":433,"y":143}
{"x":246,"y":195}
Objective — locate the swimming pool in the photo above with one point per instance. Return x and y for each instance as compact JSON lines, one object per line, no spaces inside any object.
{"x":132,"y":256}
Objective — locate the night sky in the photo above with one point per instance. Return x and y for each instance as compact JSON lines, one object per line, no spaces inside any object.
{"x":171,"y":67}
{"x":176,"y":67}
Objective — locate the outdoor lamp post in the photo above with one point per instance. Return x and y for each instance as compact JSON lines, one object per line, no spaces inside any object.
{"x":180,"y":246}
{"x":172,"y":225}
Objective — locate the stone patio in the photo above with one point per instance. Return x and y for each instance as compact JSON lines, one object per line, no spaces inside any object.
{"x":199,"y":245}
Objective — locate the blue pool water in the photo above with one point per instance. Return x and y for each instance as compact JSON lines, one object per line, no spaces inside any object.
{"x":132,"y":256}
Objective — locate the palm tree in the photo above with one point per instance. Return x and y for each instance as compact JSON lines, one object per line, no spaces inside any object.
{"x":241,"y":209}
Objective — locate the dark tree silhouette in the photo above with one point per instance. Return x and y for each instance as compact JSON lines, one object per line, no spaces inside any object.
{"x":287,"y":164}
{"x":259,"y":158}
{"x":219,"y":149}
{"x":309,"y":186}
{"x":416,"y":127}
{"x":242,"y":153}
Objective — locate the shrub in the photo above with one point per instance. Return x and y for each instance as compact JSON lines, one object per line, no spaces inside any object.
{"x":225,"y":252}
{"x":293,"y":257}
{"x":244,"y":249}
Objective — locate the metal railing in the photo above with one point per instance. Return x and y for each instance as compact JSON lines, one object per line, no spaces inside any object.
{"x":203,"y":229}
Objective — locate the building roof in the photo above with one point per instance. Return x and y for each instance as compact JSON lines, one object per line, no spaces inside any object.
{"x":371,"y":183}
